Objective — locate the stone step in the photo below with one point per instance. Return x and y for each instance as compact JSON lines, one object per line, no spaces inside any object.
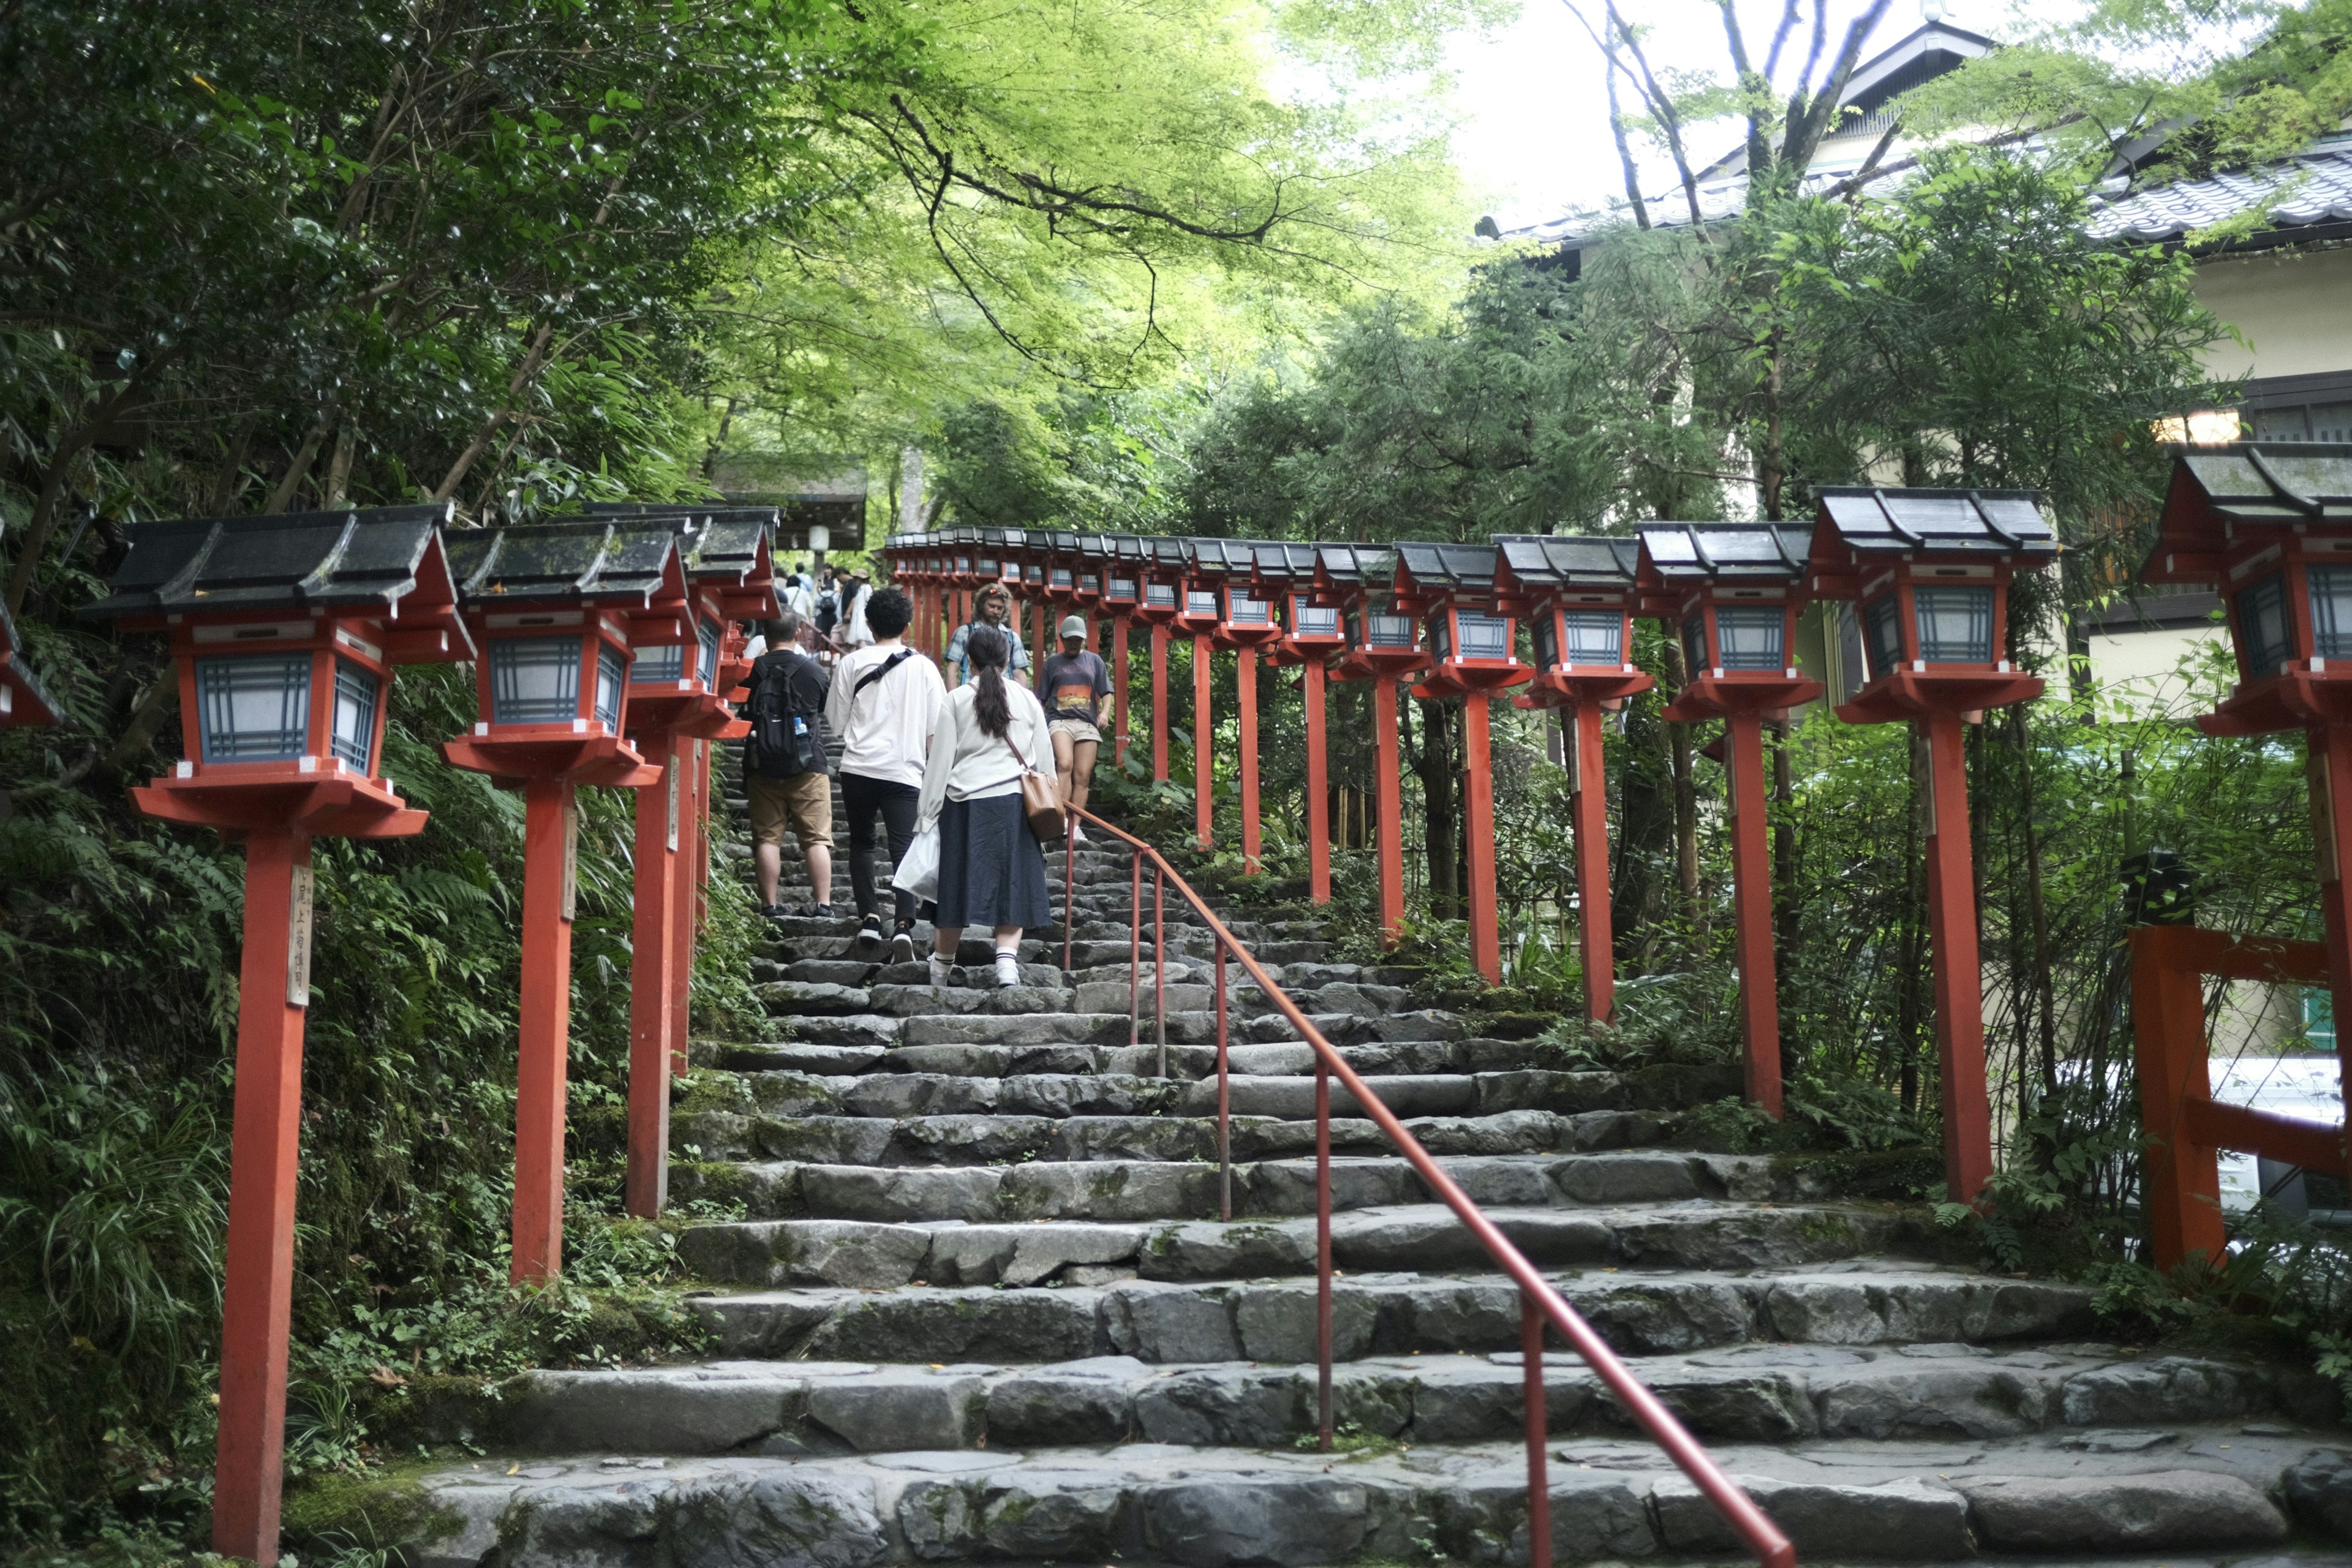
{"x":1948,"y":1392}
{"x":883,"y":1255}
{"x":1096,"y":1043}
{"x":2208,"y":1495}
{"x":974,"y":1138}
{"x":1132,"y":1190}
{"x":1863,"y":1301}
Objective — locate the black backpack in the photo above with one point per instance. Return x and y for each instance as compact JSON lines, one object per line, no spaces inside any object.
{"x":785,"y":742}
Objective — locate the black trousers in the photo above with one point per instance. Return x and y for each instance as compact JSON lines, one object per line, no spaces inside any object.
{"x":863,"y":799}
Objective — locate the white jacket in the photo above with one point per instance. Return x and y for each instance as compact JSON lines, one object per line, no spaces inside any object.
{"x":885,"y":729}
{"x":968,"y":763}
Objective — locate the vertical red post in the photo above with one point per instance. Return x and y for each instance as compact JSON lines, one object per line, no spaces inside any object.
{"x":1224,"y":1098}
{"x":259,"y":1294}
{"x":1119,"y":694}
{"x":2181,"y":1179}
{"x":1204,"y":731}
{"x":1159,"y":704}
{"x":1390,"y":806}
{"x":1959,"y":985}
{"x":1479,"y":822}
{"x":1246,"y":706}
{"x":692,"y":868}
{"x":1591,"y":809}
{"x":652,"y":978}
{"x":548,"y":879}
{"x":1323,"y":1316}
{"x":1751,"y":899}
{"x":1319,"y":794}
{"x":2328,"y":750}
{"x":1538,"y":1416}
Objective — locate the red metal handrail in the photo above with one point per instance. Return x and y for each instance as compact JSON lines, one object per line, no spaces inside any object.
{"x":1538,"y":1303}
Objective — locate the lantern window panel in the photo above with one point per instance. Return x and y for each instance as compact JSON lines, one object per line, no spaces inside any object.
{"x":1882,"y":636}
{"x":612,"y":675}
{"x":1122,"y":588}
{"x":2262,"y":630}
{"x":1060,"y":578}
{"x":535,"y":681}
{"x":1482,"y":636}
{"x":987,"y":566}
{"x":706,"y":666}
{"x":1594,"y":637}
{"x":1311,"y":620}
{"x":963,"y":563}
{"x":1036,"y":573}
{"x":1160,"y":595}
{"x":1388,"y":630}
{"x":1752,"y":637}
{"x":1200,"y":602}
{"x":1955,"y":624}
{"x":252,"y":708}
{"x":1441,"y":639}
{"x":1089,"y":584}
{"x":659,"y":666}
{"x":2331,"y":611}
{"x":1694,"y":659}
{"x":1244,"y":611}
{"x":357,"y":693}
{"x":1547,"y":642}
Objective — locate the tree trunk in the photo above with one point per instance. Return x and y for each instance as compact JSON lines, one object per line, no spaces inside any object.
{"x":1685,"y":787}
{"x":1432,"y":765}
{"x":1909,"y":1005}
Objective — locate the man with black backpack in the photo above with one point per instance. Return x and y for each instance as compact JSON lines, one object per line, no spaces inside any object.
{"x":784,"y":771}
{"x":884,"y":698}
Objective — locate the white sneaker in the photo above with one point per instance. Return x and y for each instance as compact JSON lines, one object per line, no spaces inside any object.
{"x":1077,"y":831}
{"x":942,"y":972}
{"x":1008,"y":971}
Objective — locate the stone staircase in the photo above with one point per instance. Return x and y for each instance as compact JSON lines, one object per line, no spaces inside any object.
{"x":982,"y":1307}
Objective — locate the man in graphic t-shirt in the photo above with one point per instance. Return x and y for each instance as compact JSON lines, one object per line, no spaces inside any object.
{"x":1072,"y":686}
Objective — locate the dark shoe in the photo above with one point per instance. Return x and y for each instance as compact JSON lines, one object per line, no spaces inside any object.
{"x":820,"y":911}
{"x":870,"y":931}
{"x":773,"y":911}
{"x":902,"y":945}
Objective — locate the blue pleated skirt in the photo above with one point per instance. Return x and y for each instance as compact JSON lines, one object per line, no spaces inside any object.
{"x":992,"y":870}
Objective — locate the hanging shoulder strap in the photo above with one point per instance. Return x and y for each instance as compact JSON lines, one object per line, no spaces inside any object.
{"x":885,"y":668}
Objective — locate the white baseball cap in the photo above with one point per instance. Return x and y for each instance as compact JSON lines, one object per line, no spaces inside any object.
{"x":1074,"y":625}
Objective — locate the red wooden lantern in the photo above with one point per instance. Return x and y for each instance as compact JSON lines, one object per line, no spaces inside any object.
{"x":1731,"y":591}
{"x":285,"y":630}
{"x":1580,"y":596}
{"x":1162,"y":573}
{"x":1931,"y":570}
{"x":23,"y":698}
{"x":1474,"y":653}
{"x":556,"y":611}
{"x":1122,"y":592}
{"x":1384,"y":647}
{"x":1199,"y":612}
{"x":677,"y":711}
{"x":1311,"y":637}
{"x":1245,"y":623}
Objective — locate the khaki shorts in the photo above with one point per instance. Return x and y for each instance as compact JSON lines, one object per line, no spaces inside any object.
{"x":1076,"y":729}
{"x":803,"y":803}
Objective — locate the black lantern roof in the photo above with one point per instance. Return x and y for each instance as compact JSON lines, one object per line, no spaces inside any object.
{"x":1131,"y":548}
{"x":1726,"y":551}
{"x":1871,"y":522}
{"x":355,"y":563}
{"x":597,"y":561}
{"x":1170,"y":555}
{"x":1285,"y":565}
{"x":1538,"y":561}
{"x":1440,"y":565}
{"x":2305,"y":481}
{"x":718,"y":543}
{"x":1224,"y":557}
{"x":1093,"y":547}
{"x":1357,"y":565}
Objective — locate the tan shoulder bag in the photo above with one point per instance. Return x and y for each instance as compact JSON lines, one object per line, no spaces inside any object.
{"x":1041,"y":797}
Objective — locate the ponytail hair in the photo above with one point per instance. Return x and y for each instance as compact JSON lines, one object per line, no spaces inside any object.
{"x":989,"y":651}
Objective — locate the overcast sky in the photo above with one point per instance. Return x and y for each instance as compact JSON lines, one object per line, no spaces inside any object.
{"x":1535,"y":137}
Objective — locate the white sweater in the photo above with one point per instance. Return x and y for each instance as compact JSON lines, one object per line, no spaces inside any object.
{"x":966,"y":764}
{"x":883,"y":728}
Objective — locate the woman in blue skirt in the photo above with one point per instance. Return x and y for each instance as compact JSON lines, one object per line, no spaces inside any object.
{"x":991,"y":869}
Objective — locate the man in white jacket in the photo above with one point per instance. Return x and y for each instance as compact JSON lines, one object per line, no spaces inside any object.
{"x":885,"y":700}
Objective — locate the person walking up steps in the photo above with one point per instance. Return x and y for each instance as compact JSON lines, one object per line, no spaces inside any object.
{"x":991,"y":868}
{"x":1072,"y":687}
{"x":883,"y":704}
{"x":994,"y":608}
{"x":784,"y":774}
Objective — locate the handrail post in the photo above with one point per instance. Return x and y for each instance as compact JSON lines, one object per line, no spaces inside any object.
{"x":2181,"y":1181}
{"x":1539,"y":1429}
{"x":1069,"y":890}
{"x":1224,"y":1102}
{"x":1323,"y":1251}
{"x":1135,"y":957}
{"x":1160,"y":961}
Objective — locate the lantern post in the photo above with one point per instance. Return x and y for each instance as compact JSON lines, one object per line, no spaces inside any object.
{"x":1384,"y":647}
{"x":1245,"y":623}
{"x":1311,"y":637}
{"x":677,"y":697}
{"x":1473,"y":648}
{"x":1580,"y":596}
{"x":1164,"y":590}
{"x":285,"y":630}
{"x":1930,"y":571}
{"x":1122,"y":595}
{"x":24,"y":700}
{"x":557,"y":610}
{"x":1198,"y":613}
{"x":1732,"y":591}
